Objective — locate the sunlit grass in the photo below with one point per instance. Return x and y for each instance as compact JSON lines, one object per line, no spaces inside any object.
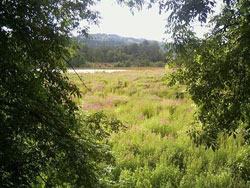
{"x":155,"y":149}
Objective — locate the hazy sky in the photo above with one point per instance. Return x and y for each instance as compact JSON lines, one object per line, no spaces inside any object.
{"x":119,"y":20}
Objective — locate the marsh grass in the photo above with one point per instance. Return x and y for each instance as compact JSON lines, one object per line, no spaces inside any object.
{"x":155,"y":150}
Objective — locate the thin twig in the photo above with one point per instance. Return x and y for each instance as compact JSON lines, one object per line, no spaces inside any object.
{"x":77,"y":74}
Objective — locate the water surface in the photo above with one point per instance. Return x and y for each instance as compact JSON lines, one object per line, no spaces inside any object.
{"x":94,"y":70}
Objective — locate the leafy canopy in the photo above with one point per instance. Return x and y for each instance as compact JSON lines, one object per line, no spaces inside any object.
{"x":43,"y":139}
{"x":216,"y":69}
{"x":218,"y":74}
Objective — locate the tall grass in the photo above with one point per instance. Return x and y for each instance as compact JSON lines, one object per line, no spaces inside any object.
{"x":155,"y":150}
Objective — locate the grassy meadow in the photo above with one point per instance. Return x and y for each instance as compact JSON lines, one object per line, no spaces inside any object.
{"x":154,"y":150}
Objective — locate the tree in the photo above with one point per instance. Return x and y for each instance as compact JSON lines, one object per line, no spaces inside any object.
{"x":218,"y":75}
{"x":79,"y":59}
{"x":43,"y":138}
{"x":216,"y":69}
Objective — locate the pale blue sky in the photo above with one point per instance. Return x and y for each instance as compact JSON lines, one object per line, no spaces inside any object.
{"x":119,"y":20}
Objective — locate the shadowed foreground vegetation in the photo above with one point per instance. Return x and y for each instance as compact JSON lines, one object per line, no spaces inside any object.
{"x":155,"y":150}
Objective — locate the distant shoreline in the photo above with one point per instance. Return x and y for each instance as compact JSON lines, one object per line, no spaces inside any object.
{"x":94,"y":70}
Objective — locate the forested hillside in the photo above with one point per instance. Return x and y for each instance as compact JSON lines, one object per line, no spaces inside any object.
{"x":103,"y":39}
{"x":145,"y":53}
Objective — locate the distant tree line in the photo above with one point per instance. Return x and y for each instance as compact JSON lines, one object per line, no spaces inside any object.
{"x":146,"y":53}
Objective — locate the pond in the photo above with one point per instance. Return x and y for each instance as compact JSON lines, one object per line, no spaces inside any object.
{"x":94,"y":70}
